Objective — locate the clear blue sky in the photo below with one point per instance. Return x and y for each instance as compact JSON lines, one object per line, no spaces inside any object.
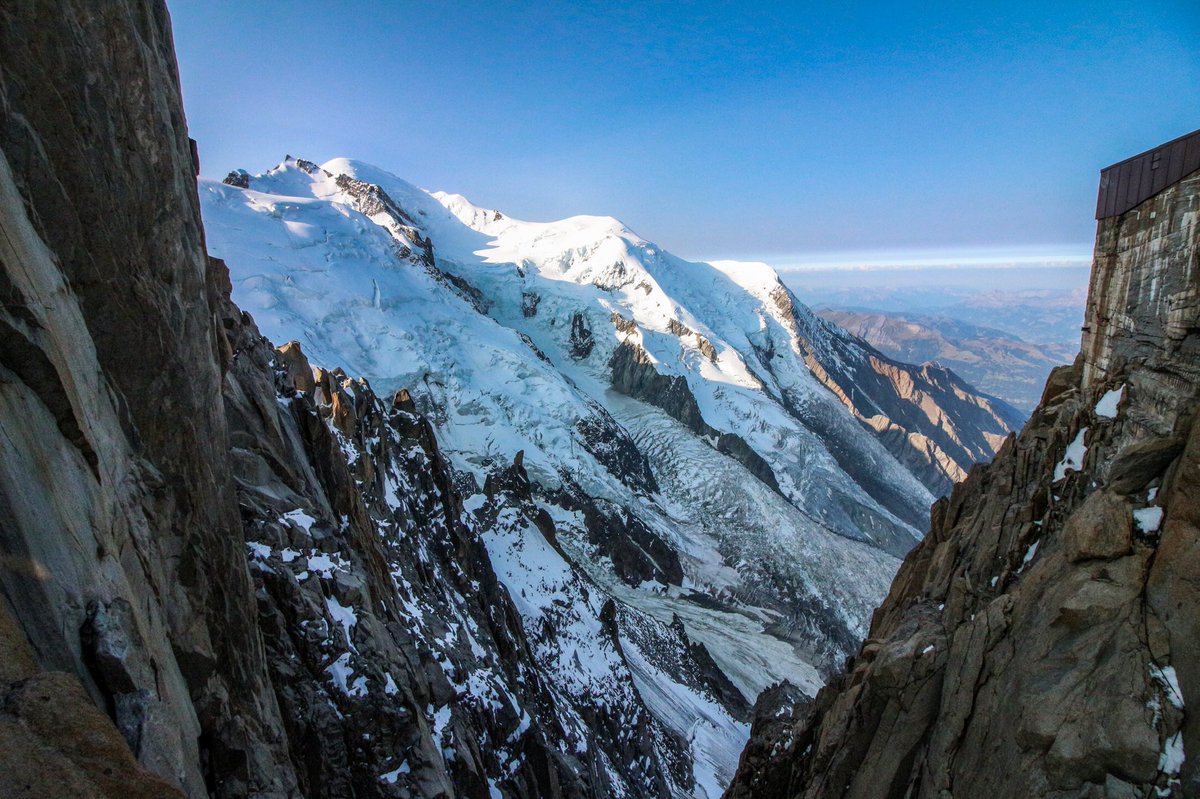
{"x":748,"y":131}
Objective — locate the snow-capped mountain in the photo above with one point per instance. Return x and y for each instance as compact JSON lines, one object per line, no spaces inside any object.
{"x":705,"y":452}
{"x":632,"y":494}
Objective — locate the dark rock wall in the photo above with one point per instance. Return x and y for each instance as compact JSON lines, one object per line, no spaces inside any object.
{"x":118,"y":514}
{"x":634,"y":374}
{"x":1041,"y":641}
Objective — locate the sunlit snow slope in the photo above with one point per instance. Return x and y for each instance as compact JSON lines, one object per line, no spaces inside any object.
{"x":710,"y":452}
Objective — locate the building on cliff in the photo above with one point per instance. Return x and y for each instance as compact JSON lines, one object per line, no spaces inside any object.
{"x":1042,"y":639}
{"x":1129,"y":183}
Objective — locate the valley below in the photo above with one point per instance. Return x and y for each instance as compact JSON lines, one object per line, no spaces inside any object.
{"x":1002,"y":340}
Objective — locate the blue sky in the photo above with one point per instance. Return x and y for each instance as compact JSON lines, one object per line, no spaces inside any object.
{"x":786,"y":132}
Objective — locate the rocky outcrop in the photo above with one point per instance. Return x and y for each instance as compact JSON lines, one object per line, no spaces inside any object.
{"x":776,"y":712}
{"x":612,"y":447}
{"x":637,"y":553}
{"x":373,"y":201}
{"x":1041,"y":640}
{"x":677,"y":328}
{"x":582,"y":340}
{"x":239,"y":178}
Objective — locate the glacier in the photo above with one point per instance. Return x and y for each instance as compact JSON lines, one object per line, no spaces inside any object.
{"x":713,"y":458}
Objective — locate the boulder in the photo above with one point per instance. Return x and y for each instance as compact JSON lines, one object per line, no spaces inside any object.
{"x":1139,"y":463}
{"x":1102,"y":527}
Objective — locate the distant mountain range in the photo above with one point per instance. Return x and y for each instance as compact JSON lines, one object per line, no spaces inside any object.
{"x":993,"y":360}
{"x":1001,"y":328}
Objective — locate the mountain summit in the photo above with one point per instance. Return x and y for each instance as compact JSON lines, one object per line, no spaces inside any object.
{"x":761,"y":453}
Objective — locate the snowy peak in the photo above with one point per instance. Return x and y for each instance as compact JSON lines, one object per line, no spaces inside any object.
{"x":698,"y":448}
{"x":756,"y":277}
{"x":484,"y":220}
{"x":711,"y":415}
{"x":721,"y":326}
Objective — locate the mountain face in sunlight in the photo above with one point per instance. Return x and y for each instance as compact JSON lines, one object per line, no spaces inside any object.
{"x":997,"y":362}
{"x":710,"y":454}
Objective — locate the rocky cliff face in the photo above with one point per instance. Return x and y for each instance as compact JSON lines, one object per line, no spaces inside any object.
{"x":927,"y":416}
{"x":224,"y":572}
{"x":120,"y":525}
{"x":1041,"y":640}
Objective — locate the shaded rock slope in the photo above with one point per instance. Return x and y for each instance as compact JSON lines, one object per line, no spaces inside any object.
{"x":1042,"y":639}
{"x":225,"y":572}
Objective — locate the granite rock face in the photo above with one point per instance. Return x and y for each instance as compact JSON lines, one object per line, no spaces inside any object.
{"x":1041,"y":640}
{"x":119,"y":515}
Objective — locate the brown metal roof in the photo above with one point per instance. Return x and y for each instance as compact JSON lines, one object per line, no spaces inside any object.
{"x":1135,"y":180}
